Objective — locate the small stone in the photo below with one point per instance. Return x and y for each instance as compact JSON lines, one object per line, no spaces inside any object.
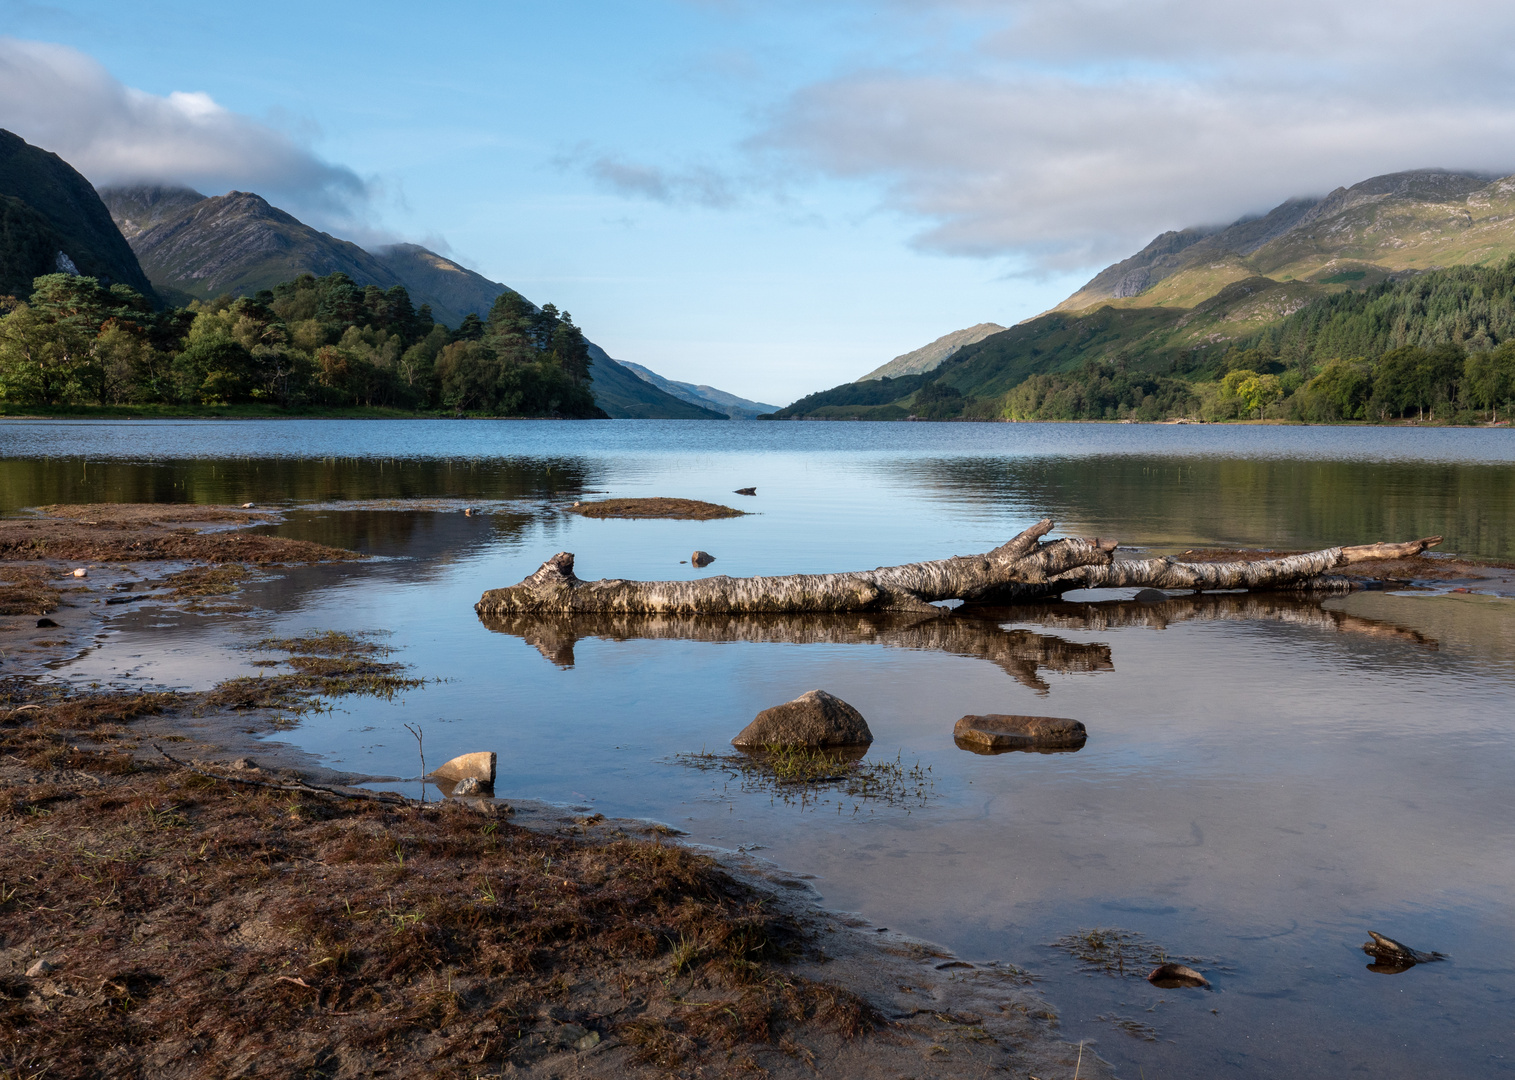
{"x":81,"y":572}
{"x":570,"y":1034}
{"x":46,"y":624}
{"x":248,"y":506}
{"x":588,"y":1042}
{"x":746,"y":491}
{"x":1151,"y":596}
{"x":1174,"y":976}
{"x":702,"y":558}
{"x":815,"y":719}
{"x":469,"y":785}
{"x":244,"y":763}
{"x":1002,"y":732}
{"x":41,"y":967}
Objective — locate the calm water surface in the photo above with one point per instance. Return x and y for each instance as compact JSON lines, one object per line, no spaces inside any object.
{"x":1265,"y":780}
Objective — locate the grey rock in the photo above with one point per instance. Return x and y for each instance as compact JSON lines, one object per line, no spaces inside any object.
{"x":702,"y":558}
{"x":746,"y":491}
{"x":1151,"y":596}
{"x":815,"y":719}
{"x":469,"y":785}
{"x":46,"y":624}
{"x":41,"y":967}
{"x":1007,"y":732}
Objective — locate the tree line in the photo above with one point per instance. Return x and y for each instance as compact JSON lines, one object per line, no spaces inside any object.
{"x":309,"y":343}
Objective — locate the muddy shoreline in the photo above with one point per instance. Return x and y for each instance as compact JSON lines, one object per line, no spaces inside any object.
{"x":85,"y":785}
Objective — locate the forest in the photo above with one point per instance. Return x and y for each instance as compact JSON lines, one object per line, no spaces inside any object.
{"x":311,"y":344}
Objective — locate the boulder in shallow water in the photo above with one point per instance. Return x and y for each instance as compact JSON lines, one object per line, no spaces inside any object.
{"x":480,"y":766}
{"x":702,"y":558}
{"x":1151,"y":596}
{"x":815,"y":720}
{"x":997,"y":731}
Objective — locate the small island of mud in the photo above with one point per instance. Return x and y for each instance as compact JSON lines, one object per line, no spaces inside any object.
{"x":677,"y":509}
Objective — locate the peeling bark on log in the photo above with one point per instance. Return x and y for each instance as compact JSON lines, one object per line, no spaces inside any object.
{"x":1027,"y":567}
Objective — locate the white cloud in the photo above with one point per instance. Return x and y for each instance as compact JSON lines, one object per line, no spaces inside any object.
{"x":64,"y":101}
{"x":1072,"y":130}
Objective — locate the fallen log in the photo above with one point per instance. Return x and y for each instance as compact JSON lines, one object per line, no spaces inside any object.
{"x":1024,"y":568}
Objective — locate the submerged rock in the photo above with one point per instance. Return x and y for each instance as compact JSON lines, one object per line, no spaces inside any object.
{"x":46,"y":624}
{"x":1173,"y":976}
{"x":997,"y":732}
{"x":815,"y":720}
{"x":702,"y":558}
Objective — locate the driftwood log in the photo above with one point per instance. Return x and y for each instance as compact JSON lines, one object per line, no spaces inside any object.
{"x":1025,"y":568}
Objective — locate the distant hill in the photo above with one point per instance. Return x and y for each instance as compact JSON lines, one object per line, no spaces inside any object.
{"x":737,"y":408}
{"x":1361,"y":234}
{"x":1177,"y":306}
{"x":51,"y":219}
{"x":199,"y":247}
{"x":929,"y":357}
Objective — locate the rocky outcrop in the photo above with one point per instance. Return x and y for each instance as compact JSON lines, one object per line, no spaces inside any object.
{"x":815,"y":720}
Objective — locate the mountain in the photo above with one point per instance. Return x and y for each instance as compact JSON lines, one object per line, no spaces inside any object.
{"x":51,"y":219}
{"x":626,"y":396}
{"x":1177,"y":306}
{"x":199,"y":247}
{"x":451,"y":289}
{"x":929,"y":357}
{"x":737,"y":408}
{"x":1401,"y":221}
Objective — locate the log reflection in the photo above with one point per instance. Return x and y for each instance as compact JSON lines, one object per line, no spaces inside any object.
{"x":1022,"y":654}
{"x":1230,"y":607}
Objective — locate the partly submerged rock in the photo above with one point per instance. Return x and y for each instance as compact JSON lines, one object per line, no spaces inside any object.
{"x":1395,"y":956}
{"x":470,"y":786}
{"x":997,"y":732}
{"x":1151,"y":596}
{"x":1173,"y":976}
{"x":480,"y":766}
{"x":815,"y":720}
{"x":702,"y":558}
{"x":46,"y":624}
{"x":746,"y":491}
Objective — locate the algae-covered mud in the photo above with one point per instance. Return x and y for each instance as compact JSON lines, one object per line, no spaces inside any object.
{"x":1265,"y":779}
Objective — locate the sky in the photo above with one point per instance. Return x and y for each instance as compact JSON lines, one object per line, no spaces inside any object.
{"x":773,"y":197}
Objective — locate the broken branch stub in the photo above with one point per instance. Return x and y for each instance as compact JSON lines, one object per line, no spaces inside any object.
{"x":1024,"y":568}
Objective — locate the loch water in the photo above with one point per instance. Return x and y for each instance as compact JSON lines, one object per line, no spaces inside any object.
{"x":1266,"y":779}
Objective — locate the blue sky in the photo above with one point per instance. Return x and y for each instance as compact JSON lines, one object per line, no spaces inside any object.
{"x":771,"y":198}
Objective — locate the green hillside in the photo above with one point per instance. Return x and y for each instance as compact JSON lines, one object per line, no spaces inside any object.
{"x":46,"y":210}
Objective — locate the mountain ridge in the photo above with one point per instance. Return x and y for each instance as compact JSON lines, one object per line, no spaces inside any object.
{"x":198,"y":247}
{"x":53,"y":220}
{"x":733,"y":406}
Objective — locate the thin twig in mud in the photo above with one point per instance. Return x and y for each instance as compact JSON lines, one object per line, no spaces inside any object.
{"x":1080,"y":1063}
{"x":420,"y":749}
{"x":382,"y":796}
